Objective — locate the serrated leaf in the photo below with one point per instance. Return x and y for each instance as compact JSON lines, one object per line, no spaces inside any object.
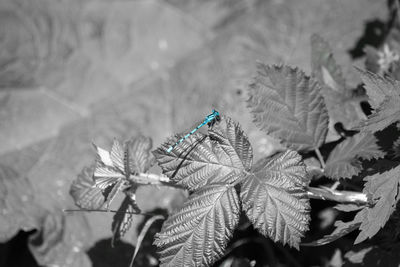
{"x":113,"y":169}
{"x":274,"y":198}
{"x":140,"y":156}
{"x":383,"y":188}
{"x":221,"y":157}
{"x":324,"y":66}
{"x":342,"y":229}
{"x":288,"y":105}
{"x":122,"y":220}
{"x":84,"y":192}
{"x":197,"y":234}
{"x":379,"y":88}
{"x":344,"y":160}
{"x":386,"y":114}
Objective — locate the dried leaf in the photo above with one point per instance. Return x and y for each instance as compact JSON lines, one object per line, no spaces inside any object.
{"x":18,"y":211}
{"x":344,"y":160}
{"x":288,"y":105}
{"x":58,"y":243}
{"x":342,"y":106}
{"x":220,"y":157}
{"x":197,"y":234}
{"x":274,"y":198}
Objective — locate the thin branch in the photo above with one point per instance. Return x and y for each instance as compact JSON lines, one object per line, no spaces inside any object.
{"x":322,"y":193}
{"x":112,"y":211}
{"x":154,"y":179}
{"x":325,"y":193}
{"x":320,"y":158}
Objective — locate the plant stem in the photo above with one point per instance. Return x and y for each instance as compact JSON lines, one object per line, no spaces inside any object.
{"x":322,"y":193}
{"x":320,"y":158}
{"x":154,"y":179}
{"x":325,"y":193}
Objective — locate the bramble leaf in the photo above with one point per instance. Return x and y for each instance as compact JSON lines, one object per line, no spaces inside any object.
{"x":115,"y":168}
{"x":140,"y":156}
{"x":84,"y":192}
{"x":288,"y":105}
{"x":387,"y":113}
{"x":274,"y":198}
{"x":384,"y":190}
{"x":343,"y":161}
{"x":122,"y":220}
{"x":197,"y":234}
{"x":221,"y":157}
{"x":342,"y":106}
{"x":379,"y":88}
{"x":342,"y":229}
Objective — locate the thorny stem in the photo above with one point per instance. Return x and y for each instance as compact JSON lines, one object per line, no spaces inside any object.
{"x":322,"y":193}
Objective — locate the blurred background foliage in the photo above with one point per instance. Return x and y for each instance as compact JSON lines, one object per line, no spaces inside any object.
{"x":73,"y":72}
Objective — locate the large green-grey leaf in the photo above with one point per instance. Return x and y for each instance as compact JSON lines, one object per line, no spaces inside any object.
{"x":197,"y":233}
{"x":275,"y":200}
{"x":343,"y":161}
{"x":288,"y":105}
{"x":384,"y":190}
{"x":221,"y":157}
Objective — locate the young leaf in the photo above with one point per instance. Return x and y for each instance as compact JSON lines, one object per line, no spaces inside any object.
{"x":221,"y":157}
{"x":384,"y":189}
{"x":379,"y":88}
{"x":343,"y":161}
{"x":115,"y":168}
{"x":342,"y":229}
{"x":83,"y":191}
{"x":288,"y":105}
{"x":197,"y":234}
{"x":140,"y":156}
{"x":275,"y":200}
